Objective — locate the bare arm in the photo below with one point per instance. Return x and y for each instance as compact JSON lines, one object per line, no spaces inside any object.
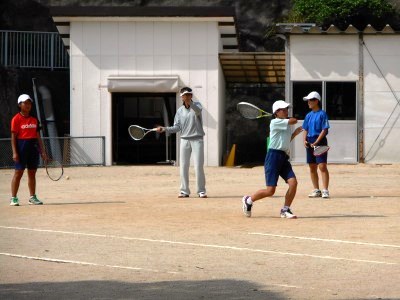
{"x":296,"y":132}
{"x":292,"y":121}
{"x":305,"y":138}
{"x":14,"y":147}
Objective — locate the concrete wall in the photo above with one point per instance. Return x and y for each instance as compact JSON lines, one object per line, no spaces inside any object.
{"x":323,"y":57}
{"x":101,"y":49}
{"x":381,"y":108}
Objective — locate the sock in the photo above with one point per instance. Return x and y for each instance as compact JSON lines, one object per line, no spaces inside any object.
{"x":285,"y":208}
{"x":249,"y":201}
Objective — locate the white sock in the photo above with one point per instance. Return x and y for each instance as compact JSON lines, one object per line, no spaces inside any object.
{"x":285,"y":208}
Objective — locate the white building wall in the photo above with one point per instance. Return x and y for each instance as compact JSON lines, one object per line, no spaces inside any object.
{"x":100,"y":49}
{"x":326,"y":58}
{"x":381,"y":108}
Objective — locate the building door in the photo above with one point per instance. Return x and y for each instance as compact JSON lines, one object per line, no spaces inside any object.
{"x":339,"y":100}
{"x":147,"y":110}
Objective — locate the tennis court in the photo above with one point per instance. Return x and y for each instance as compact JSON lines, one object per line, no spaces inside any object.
{"x":121,"y":233}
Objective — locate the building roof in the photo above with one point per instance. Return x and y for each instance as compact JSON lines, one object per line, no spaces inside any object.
{"x":225,"y":16}
{"x":238,"y":67}
{"x":254,"y":67}
{"x":310,"y":28}
{"x":148,"y":11}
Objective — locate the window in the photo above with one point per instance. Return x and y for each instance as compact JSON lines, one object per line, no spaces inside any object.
{"x":339,"y":99}
{"x":300,"y":90}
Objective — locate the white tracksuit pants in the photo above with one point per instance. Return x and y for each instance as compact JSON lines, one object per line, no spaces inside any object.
{"x":187,"y":146}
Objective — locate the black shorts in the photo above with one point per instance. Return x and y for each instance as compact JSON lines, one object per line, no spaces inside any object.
{"x":28,"y":151}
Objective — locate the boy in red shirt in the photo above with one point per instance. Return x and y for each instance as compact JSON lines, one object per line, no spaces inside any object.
{"x":26,"y":145}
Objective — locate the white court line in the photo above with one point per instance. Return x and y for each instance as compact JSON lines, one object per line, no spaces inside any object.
{"x":80,"y":263}
{"x":324,"y":240}
{"x":206,"y":245}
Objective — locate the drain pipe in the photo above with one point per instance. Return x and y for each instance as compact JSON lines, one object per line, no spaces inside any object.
{"x":360,"y":109}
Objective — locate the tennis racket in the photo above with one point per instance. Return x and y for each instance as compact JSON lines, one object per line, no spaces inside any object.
{"x":320,"y":150}
{"x":54,"y":169}
{"x":137,"y":132}
{"x":250,"y":111}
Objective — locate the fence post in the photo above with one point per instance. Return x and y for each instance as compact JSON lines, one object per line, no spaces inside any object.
{"x":104,"y":149}
{"x":52,"y":56}
{"x":6,"y":49}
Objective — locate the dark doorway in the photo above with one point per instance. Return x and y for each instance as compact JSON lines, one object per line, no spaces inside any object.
{"x":146,"y":110}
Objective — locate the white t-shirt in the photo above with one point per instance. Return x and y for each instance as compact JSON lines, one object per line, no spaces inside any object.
{"x":280,"y":135}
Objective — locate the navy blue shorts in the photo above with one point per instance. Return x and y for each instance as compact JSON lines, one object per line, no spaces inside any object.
{"x":277,"y":164}
{"x":311,"y":158}
{"x":28,"y":152}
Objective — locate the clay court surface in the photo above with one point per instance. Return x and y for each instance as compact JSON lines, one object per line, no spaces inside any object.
{"x":121,"y":233}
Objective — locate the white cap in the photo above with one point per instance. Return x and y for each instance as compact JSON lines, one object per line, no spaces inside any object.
{"x":186,"y":90}
{"x":279,"y":105}
{"x":23,"y":98}
{"x":312,"y":95}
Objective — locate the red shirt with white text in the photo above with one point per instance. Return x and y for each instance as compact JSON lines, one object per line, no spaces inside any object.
{"x":24,"y":127}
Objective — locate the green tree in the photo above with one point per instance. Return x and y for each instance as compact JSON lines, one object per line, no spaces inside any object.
{"x":342,"y":13}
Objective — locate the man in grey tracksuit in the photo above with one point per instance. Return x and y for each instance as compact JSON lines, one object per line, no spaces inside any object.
{"x":188,"y":121}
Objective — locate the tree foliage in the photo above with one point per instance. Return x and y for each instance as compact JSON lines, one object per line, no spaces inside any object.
{"x":341,"y":13}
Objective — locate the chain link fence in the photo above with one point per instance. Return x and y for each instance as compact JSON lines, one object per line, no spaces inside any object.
{"x":70,"y":151}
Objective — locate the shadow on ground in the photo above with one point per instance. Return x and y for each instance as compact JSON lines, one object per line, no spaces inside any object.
{"x":208,"y":289}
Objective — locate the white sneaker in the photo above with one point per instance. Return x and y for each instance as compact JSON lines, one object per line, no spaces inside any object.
{"x":202,"y":195}
{"x":325,"y":194}
{"x":315,"y":194}
{"x":288,"y":214}
{"x":246,"y":207}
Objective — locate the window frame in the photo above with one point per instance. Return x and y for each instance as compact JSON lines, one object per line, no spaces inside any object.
{"x":323,"y":95}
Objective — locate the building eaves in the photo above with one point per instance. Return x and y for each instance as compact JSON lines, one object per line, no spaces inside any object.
{"x":130,"y":11}
{"x":225,"y":16}
{"x":300,"y":28}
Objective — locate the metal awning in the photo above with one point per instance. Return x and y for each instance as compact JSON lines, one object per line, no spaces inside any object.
{"x":253,"y":67}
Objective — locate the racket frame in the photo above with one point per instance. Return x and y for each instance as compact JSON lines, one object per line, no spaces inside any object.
{"x":261,"y":113}
{"x":59,"y":166}
{"x":323,"y":152}
{"x":145,"y":131}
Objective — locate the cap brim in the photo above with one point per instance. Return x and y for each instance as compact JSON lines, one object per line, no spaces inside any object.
{"x":25,"y":100}
{"x":306,"y":99}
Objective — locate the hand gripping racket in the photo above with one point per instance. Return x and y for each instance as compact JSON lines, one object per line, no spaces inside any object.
{"x":54,"y":169}
{"x":320,"y":150}
{"x":137,"y":132}
{"x":250,"y":111}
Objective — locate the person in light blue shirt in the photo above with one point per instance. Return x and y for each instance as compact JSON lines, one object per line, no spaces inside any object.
{"x":277,"y":161}
{"x":316,"y":127}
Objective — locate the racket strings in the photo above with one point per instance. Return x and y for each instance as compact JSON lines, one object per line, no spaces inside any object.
{"x":136,"y":132}
{"x":320,"y":150}
{"x":248,"y":111}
